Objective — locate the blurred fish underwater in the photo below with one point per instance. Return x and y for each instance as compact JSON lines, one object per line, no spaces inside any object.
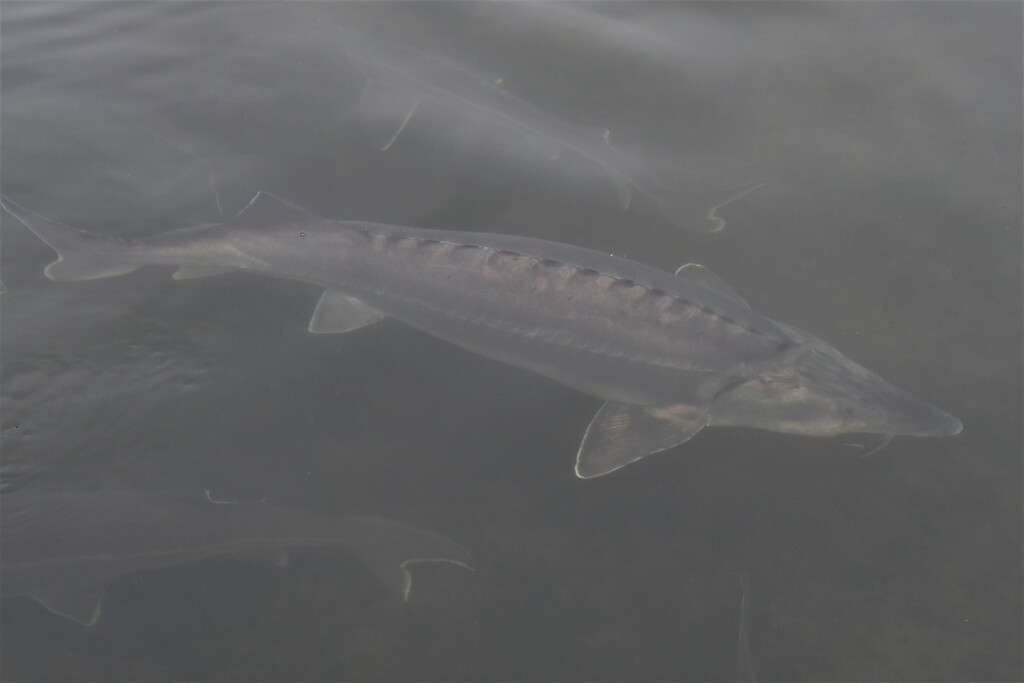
{"x":399,"y":78}
{"x":668,"y":353}
{"x":531,"y":177}
{"x":64,"y":549}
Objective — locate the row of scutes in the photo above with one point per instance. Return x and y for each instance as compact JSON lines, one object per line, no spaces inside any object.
{"x":396,"y":238}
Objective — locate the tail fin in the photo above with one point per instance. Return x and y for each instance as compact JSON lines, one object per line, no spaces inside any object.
{"x":81,"y":255}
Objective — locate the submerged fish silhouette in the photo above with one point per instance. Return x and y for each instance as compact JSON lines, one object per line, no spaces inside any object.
{"x":399,"y":78}
{"x":670,"y":354}
{"x":63,"y":549}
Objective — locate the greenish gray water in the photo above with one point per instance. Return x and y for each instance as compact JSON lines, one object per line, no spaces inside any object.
{"x":890,"y":225}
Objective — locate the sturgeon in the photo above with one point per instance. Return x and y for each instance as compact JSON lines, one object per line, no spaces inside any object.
{"x":668,"y":353}
{"x":64,"y":548}
{"x":399,"y":78}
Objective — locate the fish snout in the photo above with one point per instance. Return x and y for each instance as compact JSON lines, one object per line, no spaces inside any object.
{"x":814,"y":390}
{"x":913,"y":417}
{"x":870,"y":404}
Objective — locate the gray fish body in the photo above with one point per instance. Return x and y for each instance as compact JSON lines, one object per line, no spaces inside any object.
{"x":65,"y":548}
{"x":616,"y":330}
{"x":669,"y":354}
{"x":609,"y":327}
{"x":400,"y":77}
{"x":448,"y":82}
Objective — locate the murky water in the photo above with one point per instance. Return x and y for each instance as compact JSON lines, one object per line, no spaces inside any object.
{"x":889,"y":137}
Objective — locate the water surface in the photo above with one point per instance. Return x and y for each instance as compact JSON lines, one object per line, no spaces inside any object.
{"x":890,"y":137}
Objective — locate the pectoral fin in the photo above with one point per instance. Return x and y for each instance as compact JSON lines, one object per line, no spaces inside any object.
{"x":545,"y":147}
{"x":621,"y":433}
{"x":386,"y":110}
{"x":337,"y":312}
{"x":77,"y":601}
{"x":393,"y":570}
{"x":718,"y":223}
{"x":698,"y":211}
{"x":622,"y":188}
{"x":387,"y":549}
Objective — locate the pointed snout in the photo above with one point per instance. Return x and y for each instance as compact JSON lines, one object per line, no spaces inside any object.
{"x":816,"y":391}
{"x":909,"y":415}
{"x":871,"y":404}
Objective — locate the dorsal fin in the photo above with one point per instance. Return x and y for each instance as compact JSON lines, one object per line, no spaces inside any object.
{"x":217,"y":501}
{"x":266,"y":210}
{"x":705,"y":278}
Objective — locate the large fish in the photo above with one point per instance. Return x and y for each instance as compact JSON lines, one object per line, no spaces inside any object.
{"x":669,"y":353}
{"x":63,"y":549}
{"x":399,"y":79}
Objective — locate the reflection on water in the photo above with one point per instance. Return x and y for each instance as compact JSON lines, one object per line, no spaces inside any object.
{"x":888,"y":137}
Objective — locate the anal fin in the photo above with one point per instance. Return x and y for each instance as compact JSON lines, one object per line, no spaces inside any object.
{"x":385,"y":110}
{"x":81,"y":602}
{"x":391,"y":569}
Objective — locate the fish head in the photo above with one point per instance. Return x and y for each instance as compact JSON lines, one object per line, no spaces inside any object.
{"x":813,"y":390}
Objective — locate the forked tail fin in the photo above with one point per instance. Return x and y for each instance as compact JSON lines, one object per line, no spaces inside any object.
{"x":81,"y":255}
